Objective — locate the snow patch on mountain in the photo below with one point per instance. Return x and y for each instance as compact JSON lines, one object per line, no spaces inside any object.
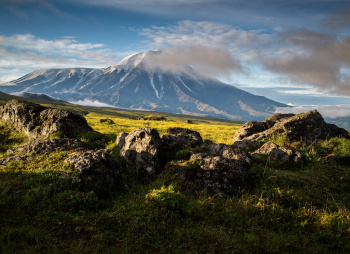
{"x":153,"y":86}
{"x":184,"y":84}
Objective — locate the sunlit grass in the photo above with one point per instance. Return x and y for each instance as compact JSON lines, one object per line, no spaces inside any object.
{"x":218,"y":133}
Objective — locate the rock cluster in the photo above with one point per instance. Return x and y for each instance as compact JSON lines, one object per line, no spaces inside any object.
{"x":37,"y":121}
{"x":147,"y":152}
{"x":216,"y":167}
{"x":308,"y":126}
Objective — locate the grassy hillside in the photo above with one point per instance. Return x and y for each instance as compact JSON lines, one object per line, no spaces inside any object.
{"x":278,"y":208}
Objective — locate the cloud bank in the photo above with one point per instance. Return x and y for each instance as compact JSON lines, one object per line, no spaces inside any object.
{"x":318,"y":59}
{"x":212,"y":48}
{"x":206,"y":60}
{"x":327,"y":111}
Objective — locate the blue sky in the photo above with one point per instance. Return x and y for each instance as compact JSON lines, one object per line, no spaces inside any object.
{"x":295,"y":51}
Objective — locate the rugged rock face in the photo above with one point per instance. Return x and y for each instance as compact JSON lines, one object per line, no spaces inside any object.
{"x":98,"y":170}
{"x":121,"y":140}
{"x":309,"y":126}
{"x":49,"y":145}
{"x":178,"y":139}
{"x":219,"y":172}
{"x":38,"y":121}
{"x":141,"y":151}
{"x":279,"y":153}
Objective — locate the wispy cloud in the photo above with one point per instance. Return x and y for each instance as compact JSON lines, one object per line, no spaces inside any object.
{"x":213,"y":34}
{"x":24,"y":52}
{"x":219,"y":47}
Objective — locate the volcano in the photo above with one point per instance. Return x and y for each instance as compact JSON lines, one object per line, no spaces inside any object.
{"x":137,"y":83}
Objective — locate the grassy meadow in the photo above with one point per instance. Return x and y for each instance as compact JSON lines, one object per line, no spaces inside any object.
{"x":212,"y":130}
{"x":278,"y":208}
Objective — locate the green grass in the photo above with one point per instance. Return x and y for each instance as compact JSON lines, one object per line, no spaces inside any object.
{"x":277,"y":208}
{"x":9,"y":137}
{"x":212,"y":130}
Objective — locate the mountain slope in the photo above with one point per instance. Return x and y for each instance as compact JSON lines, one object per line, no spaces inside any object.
{"x":133,"y":83}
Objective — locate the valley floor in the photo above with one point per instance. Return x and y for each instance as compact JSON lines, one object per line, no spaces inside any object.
{"x":278,"y":207}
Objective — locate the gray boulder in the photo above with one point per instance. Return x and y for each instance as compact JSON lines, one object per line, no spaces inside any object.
{"x":98,"y":170}
{"x":279,"y":153}
{"x":141,"y":152}
{"x":38,"y":121}
{"x":178,"y":139}
{"x":308,"y":126}
{"x":219,"y":172}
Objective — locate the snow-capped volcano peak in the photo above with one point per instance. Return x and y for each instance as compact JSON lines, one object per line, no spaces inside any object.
{"x":133,"y":61}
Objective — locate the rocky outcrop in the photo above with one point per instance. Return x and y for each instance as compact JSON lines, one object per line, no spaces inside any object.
{"x":141,"y":151}
{"x":98,"y":170}
{"x":308,"y":126}
{"x":50,"y":145}
{"x":219,"y":172}
{"x":279,"y":153}
{"x":37,"y":121}
{"x":178,"y":139}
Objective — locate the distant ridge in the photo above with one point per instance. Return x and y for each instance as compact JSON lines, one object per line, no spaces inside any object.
{"x":134,"y":84}
{"x":41,"y":97}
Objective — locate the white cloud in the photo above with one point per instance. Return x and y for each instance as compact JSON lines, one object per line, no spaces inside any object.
{"x":205,"y":37}
{"x":93,"y":103}
{"x":205,"y":33}
{"x":67,"y":46}
{"x":23,"y":53}
{"x":327,"y":111}
{"x":205,"y":60}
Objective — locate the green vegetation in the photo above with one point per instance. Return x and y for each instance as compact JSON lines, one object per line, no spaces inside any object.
{"x":276,"y":209}
{"x":9,"y":137}
{"x":212,"y":130}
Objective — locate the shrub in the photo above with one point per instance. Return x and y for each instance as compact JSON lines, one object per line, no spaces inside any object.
{"x":165,"y":203}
